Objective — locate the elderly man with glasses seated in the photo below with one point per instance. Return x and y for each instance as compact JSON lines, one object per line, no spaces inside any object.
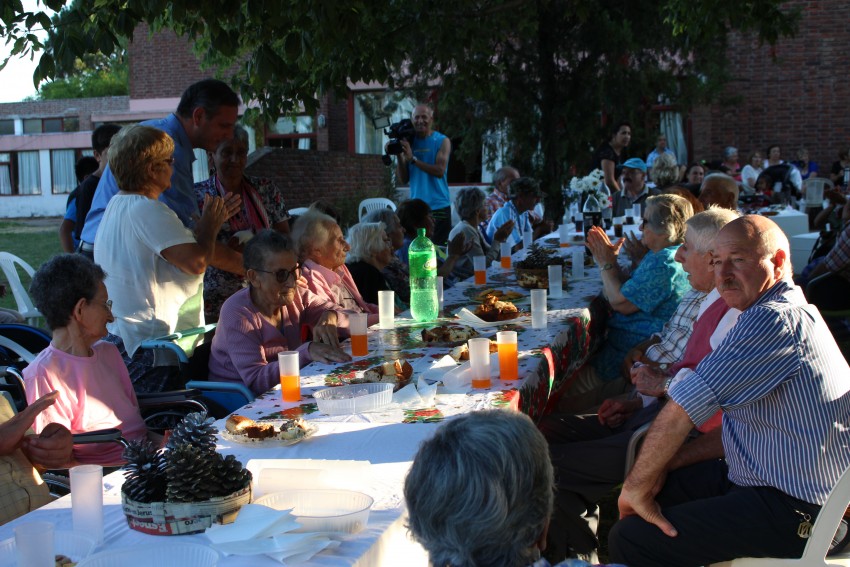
{"x":322,"y":250}
{"x":267,"y":317}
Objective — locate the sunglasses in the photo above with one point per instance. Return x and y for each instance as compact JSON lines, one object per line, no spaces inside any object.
{"x":283,"y":275}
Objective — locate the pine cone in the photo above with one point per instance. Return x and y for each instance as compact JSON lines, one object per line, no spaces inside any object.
{"x":231,"y":474}
{"x":196,"y":429}
{"x":144,"y":472}
{"x":190,"y":472}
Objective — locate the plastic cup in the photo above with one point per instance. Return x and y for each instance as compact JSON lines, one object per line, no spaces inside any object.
{"x":290,"y":376}
{"x":527,"y":238}
{"x":506,"y":255}
{"x":556,"y":281}
{"x":564,"y":235}
{"x":479,"y":263}
{"x":87,"y":500}
{"x":439,"y":293}
{"x":538,"y":308}
{"x":580,"y":225}
{"x":479,"y":362}
{"x":357,"y":328}
{"x":618,"y":227}
{"x":508,"y":357}
{"x":34,"y":544}
{"x":578,"y":263}
{"x":386,"y":309}
{"x":637,"y":210}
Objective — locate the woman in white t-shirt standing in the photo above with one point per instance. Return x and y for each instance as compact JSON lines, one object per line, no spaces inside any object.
{"x":154,"y":265}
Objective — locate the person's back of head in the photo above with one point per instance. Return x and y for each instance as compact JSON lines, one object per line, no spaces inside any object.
{"x":84,"y":167}
{"x":412,"y":214}
{"x":665,"y":170}
{"x":366,"y":240}
{"x":480,"y":492}
{"x":524,"y":186}
{"x":311,"y":231}
{"x":719,"y":189}
{"x":102,"y":136}
{"x":209,"y":94}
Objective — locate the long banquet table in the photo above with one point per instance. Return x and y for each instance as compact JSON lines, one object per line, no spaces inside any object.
{"x":388,"y":438}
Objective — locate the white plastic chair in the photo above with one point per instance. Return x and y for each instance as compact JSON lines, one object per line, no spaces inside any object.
{"x":814,"y":555}
{"x":298,"y":211}
{"x":9,"y":263}
{"x":813,"y":188}
{"x":374,"y":204}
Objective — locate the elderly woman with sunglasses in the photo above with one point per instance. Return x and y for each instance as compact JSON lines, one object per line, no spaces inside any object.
{"x":267,"y":317}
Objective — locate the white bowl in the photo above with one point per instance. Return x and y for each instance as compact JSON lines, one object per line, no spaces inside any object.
{"x":158,"y":555}
{"x":356,"y":398}
{"x":75,"y":545}
{"x":344,"y":511}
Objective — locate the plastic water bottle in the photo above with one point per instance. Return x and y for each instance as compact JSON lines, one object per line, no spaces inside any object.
{"x":591,"y":213}
{"x":424,"y":305}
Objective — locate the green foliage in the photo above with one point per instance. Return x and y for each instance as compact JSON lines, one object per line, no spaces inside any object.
{"x":88,"y":83}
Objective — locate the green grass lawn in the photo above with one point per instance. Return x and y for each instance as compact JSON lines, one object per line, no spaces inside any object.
{"x":34,"y":242}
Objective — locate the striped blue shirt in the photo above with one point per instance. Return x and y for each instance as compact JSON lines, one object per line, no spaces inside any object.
{"x":784,"y":388}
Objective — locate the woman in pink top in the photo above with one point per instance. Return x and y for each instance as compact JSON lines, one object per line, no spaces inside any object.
{"x":322,"y":250}
{"x":266,"y":318}
{"x":94,"y":387}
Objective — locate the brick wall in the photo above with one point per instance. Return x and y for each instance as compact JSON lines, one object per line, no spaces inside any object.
{"x":79,"y":107}
{"x":341,"y":178}
{"x":800,"y":100}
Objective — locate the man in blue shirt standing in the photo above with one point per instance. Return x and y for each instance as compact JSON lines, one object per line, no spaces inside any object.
{"x":784,"y":389}
{"x":424,"y":165}
{"x":205,"y":116}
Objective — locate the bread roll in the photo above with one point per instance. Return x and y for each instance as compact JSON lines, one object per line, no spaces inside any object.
{"x":237,"y":424}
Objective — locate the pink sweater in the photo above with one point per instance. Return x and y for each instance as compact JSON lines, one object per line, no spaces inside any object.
{"x":95,"y":392}
{"x":322,"y":282}
{"x":246,"y":344}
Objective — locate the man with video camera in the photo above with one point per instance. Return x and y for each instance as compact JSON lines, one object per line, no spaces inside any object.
{"x":423,"y":163}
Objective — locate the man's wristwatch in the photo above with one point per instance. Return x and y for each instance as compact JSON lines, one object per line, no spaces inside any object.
{"x":413,"y":159}
{"x":667,"y":385}
{"x":606,"y":266}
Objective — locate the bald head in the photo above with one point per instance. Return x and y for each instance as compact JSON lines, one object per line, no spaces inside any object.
{"x":751,"y":255}
{"x":721,"y":190}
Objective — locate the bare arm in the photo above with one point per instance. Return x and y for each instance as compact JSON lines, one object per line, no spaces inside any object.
{"x":227,"y":259}
{"x":703,"y":448}
{"x":609,"y":170}
{"x":401,"y":165}
{"x":193,"y":258}
{"x":66,"y":238}
{"x":605,"y":256}
{"x":663,"y":441}
{"x":437,"y":169}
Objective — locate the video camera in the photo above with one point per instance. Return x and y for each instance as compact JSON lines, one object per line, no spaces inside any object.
{"x":401,"y":130}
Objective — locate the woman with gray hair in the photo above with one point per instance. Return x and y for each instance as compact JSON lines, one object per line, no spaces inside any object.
{"x":480,"y":491}
{"x":371,"y":252}
{"x":395,"y":272}
{"x":154,"y":265}
{"x":261,"y":207}
{"x":266,"y":318}
{"x":665,"y":171}
{"x":643,"y":301}
{"x":471,"y":207}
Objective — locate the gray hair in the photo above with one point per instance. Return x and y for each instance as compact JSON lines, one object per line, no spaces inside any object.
{"x":468,"y":202}
{"x":705,"y":226}
{"x":386,"y":216}
{"x":480,"y":492}
{"x":60,"y":283}
{"x":312,"y":230}
{"x":264,"y":244}
{"x":729,"y":151}
{"x":524,"y":186}
{"x":665,"y":170}
{"x":366,"y":240}
{"x":502,"y":174}
{"x":667,"y":214}
{"x":240,"y":134}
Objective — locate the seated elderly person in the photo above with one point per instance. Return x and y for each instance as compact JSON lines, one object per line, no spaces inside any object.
{"x":22,"y":454}
{"x":154,"y":265}
{"x":471,"y":207}
{"x":480,"y":492}
{"x":642,"y":302}
{"x":321,"y":250}
{"x":720,"y":190}
{"x":415,"y":214}
{"x":371,"y":252}
{"x":635,"y":190}
{"x":524,"y":194}
{"x":261,"y":207}
{"x":94,"y":387}
{"x":266,"y":318}
{"x":395,"y":272}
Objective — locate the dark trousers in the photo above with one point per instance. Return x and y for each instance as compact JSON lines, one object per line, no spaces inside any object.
{"x":829,"y":292}
{"x":716,"y":521}
{"x":442,"y":225}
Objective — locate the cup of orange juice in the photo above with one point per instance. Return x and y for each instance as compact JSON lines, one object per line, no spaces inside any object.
{"x":479,"y":362}
{"x":357,"y":327}
{"x":508,"y":357}
{"x":290,"y":376}
{"x":479,"y":263}
{"x":506,"y":255}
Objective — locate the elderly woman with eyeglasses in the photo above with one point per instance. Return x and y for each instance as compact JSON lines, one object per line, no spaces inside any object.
{"x":371,"y":252}
{"x":154,"y":265}
{"x":267,"y":317}
{"x":262,"y":207}
{"x":94,"y":388}
{"x":471,"y":207}
{"x":644,"y":300}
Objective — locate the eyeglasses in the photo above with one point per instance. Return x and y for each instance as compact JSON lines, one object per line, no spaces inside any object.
{"x":169,"y":161}
{"x":283,"y":275}
{"x":643,"y":221}
{"x":107,"y":304}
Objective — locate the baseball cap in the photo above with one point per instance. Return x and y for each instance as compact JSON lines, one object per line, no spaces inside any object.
{"x":635,"y":163}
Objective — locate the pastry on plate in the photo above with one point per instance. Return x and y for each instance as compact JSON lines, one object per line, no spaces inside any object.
{"x":398,"y":373}
{"x":492,"y":309}
{"x":498,"y":294}
{"x":461,"y":352}
{"x":238,"y":425}
{"x":448,"y":334}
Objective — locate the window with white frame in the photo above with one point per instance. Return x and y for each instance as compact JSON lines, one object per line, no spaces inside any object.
{"x":297,"y":132}
{"x":62,"y":170}
{"x":385,"y":107}
{"x":19,"y":173}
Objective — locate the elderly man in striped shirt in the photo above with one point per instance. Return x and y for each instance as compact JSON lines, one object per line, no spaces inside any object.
{"x":784,"y":389}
